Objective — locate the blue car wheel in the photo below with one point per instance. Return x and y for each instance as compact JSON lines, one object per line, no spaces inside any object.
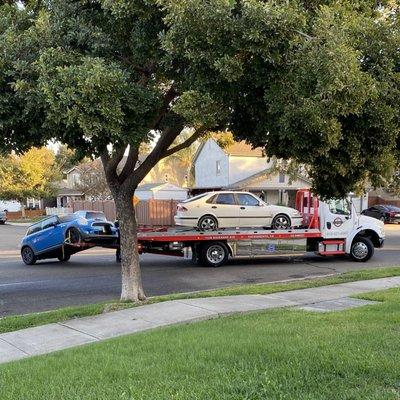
{"x":28,"y":256}
{"x":73,"y":236}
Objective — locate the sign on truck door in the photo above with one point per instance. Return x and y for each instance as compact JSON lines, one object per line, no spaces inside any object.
{"x":337,"y":218}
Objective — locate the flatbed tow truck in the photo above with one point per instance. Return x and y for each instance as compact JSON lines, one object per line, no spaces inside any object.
{"x":329,"y":228}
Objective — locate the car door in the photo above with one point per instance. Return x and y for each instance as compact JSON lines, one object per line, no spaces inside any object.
{"x":253,"y":212}
{"x":375,"y":212}
{"x":224,"y":207}
{"x":339,"y":219}
{"x":50,"y":236}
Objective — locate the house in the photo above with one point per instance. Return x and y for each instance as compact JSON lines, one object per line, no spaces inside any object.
{"x":240,"y":167}
{"x":161,"y":191}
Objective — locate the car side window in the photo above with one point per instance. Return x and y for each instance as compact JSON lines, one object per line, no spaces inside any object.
{"x":211,"y":200}
{"x":247,"y":200}
{"x":34,"y":229}
{"x":49,"y":222}
{"x":225,"y":198}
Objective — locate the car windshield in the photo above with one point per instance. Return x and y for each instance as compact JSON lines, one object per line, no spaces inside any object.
{"x":67,"y":218}
{"x":393,"y":208}
{"x":199,"y":196}
{"x":95,"y":215}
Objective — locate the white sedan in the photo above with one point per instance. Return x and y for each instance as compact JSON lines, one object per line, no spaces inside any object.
{"x":213,"y":210}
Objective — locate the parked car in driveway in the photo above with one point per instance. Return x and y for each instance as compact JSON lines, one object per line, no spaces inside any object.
{"x":3,"y":217}
{"x":61,"y":236}
{"x":384,"y":212}
{"x":225,"y":209}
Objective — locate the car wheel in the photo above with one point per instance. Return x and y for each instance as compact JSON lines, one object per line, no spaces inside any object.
{"x":362,"y":249}
{"x":207,"y":223}
{"x":73,"y":236}
{"x":28,"y":256}
{"x":64,"y":258}
{"x":214,"y":254}
{"x":383,"y":219}
{"x":281,"y":221}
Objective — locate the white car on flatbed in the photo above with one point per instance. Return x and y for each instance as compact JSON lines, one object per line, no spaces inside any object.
{"x":228,"y":209}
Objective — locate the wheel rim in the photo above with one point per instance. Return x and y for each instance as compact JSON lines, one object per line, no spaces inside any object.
{"x":208,"y":223}
{"x":360,"y":250}
{"x":73,"y":236}
{"x":282,"y":222}
{"x":383,"y":219}
{"x":27,"y":255}
{"x":215,"y":254}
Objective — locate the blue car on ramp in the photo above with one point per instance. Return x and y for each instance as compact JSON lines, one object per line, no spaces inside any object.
{"x":61,"y":236}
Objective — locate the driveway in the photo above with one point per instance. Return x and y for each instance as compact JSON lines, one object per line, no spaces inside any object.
{"x":94,"y":276}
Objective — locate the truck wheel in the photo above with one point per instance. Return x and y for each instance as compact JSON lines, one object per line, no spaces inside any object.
{"x":28,"y":256}
{"x":362,"y":249}
{"x":214,"y":254}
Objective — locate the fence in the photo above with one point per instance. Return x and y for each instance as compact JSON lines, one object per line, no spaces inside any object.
{"x":13,"y":215}
{"x":148,"y":212}
{"x":373,"y":200}
{"x":58,"y":210}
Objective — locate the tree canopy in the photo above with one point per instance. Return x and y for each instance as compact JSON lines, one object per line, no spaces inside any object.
{"x":316,"y":81}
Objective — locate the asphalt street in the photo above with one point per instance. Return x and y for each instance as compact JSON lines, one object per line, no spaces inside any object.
{"x":94,"y":275}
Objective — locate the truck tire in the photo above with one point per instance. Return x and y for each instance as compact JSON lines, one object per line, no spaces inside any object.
{"x":362,"y":249}
{"x":64,"y":258}
{"x":28,"y":256}
{"x":214,"y":254}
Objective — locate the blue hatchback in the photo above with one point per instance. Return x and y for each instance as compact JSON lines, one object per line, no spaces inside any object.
{"x":61,"y":236}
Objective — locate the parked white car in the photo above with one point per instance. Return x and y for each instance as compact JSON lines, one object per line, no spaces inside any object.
{"x":212,"y":210}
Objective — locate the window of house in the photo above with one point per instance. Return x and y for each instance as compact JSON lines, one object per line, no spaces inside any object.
{"x":281,"y":177}
{"x":218,"y":167}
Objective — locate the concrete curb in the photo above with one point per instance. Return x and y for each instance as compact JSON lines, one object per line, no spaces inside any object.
{"x":58,"y":336}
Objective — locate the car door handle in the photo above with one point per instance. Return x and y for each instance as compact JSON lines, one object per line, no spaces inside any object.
{"x":214,"y":207}
{"x":242,"y":208}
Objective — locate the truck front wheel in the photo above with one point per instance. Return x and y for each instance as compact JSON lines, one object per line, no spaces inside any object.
{"x":214,"y":254}
{"x":362,"y":249}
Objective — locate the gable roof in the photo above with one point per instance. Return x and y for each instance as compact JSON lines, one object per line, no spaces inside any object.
{"x":160,"y":186}
{"x":239,"y":149}
{"x":244,"y":149}
{"x":264,"y":173}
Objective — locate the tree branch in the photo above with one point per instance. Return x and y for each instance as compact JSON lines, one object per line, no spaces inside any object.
{"x":170,"y":95}
{"x":166,"y":139}
{"x":130,"y":164}
{"x":110,"y":164}
{"x":184,"y":144}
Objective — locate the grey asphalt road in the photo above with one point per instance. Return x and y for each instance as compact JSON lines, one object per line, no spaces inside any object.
{"x":94,"y":276}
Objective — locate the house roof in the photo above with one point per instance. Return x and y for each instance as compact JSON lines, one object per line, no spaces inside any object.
{"x":243,"y":149}
{"x":68,"y":192}
{"x":97,"y":163}
{"x":159,"y":186}
{"x":265,"y":172}
{"x":238,"y":149}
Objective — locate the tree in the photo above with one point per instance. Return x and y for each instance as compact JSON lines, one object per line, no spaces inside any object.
{"x":66,"y":158}
{"x":92,"y":181}
{"x":30,"y":175}
{"x":314,"y":81}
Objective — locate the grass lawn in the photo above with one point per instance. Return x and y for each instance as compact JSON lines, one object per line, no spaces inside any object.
{"x":277,"y":354}
{"x":13,"y":323}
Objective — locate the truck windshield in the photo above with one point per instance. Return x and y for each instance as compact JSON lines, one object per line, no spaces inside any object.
{"x":339,"y":206}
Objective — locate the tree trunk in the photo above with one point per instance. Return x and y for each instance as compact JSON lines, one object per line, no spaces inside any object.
{"x":132,"y":288}
{"x":23,"y":213}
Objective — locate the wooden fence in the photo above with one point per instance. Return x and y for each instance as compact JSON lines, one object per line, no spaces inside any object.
{"x":13,"y":215}
{"x":148,"y":212}
{"x":373,"y":200}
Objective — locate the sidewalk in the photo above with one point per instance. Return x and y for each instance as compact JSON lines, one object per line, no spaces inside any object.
{"x":48,"y":338}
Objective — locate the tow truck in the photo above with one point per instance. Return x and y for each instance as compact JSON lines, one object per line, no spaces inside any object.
{"x":330,"y":228}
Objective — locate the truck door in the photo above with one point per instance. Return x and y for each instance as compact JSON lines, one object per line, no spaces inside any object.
{"x":337,"y":218}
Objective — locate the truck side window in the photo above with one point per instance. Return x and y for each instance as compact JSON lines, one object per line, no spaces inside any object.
{"x":339,"y":206}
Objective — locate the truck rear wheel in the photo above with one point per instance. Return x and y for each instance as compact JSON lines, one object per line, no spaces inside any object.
{"x":362,"y":249}
{"x":214,"y":254}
